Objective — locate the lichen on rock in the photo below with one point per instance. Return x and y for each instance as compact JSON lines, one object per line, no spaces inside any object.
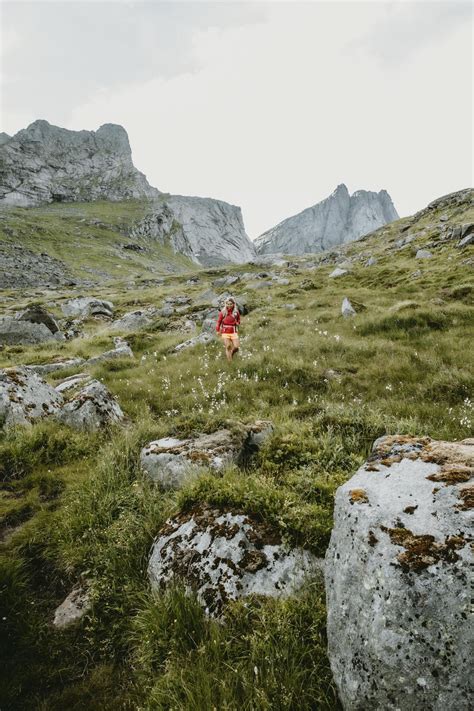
{"x":397,"y":571}
{"x":223,"y":555}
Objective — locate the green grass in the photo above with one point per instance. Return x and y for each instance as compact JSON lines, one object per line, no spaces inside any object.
{"x":77,"y":506}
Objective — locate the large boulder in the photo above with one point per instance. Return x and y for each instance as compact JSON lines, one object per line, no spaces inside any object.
{"x":85,"y":306}
{"x":397,"y":571}
{"x":225,"y":555}
{"x":134,"y":320}
{"x":170,"y":461}
{"x":91,"y":408}
{"x":28,"y":327}
{"x":25,"y":397}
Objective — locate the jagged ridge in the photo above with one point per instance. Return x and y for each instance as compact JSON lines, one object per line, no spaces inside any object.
{"x":338,"y":219}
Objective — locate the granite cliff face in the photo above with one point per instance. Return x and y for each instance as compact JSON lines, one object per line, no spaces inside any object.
{"x":338,"y":219}
{"x":213,"y":229}
{"x":45,"y":163}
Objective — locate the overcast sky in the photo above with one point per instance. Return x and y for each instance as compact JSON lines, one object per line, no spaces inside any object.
{"x":267,"y":105}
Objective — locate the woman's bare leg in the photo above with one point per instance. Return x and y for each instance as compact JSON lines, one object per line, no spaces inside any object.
{"x":235,"y":346}
{"x":228,"y":349}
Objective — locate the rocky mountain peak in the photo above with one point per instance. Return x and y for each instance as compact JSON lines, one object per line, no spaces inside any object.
{"x":337,"y":219}
{"x":46,"y":163}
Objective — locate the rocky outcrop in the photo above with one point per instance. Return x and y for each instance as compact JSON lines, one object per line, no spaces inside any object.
{"x":171,"y":461}
{"x":91,"y":408}
{"x":225,"y":555}
{"x":210,"y":232}
{"x":338,"y":219}
{"x":45,"y":163}
{"x":397,"y":571}
{"x":25,"y":397}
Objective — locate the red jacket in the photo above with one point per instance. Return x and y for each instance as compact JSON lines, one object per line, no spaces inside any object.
{"x":228,"y":321}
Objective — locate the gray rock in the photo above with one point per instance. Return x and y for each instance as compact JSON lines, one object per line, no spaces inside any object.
{"x":371,"y":262}
{"x":338,"y":272}
{"x":170,"y":462}
{"x":37,"y":314}
{"x":467,"y":240}
{"x":121,"y":350}
{"x":25,"y":397}
{"x":45,"y":368}
{"x":16,"y":332}
{"x":178,"y":300}
{"x":135,"y":320}
{"x":74,"y":381}
{"x":195,"y":341}
{"x":91,"y":408}
{"x":423,"y":254}
{"x":225,"y":281}
{"x":214,"y":230}
{"x":224,"y":555}
{"x":397,"y":578}
{"x":45,"y":163}
{"x":338,"y":219}
{"x":210,"y":321}
{"x":72,"y":610}
{"x":347,"y":309}
{"x":166,"y":311}
{"x":85,"y":306}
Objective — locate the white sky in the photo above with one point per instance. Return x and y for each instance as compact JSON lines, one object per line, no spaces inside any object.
{"x":267,"y":105}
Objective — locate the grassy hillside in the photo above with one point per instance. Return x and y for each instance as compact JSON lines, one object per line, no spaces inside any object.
{"x":89,"y":238}
{"x":77,"y":506}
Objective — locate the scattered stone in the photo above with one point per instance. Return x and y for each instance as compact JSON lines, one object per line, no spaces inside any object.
{"x":91,"y":408}
{"x":225,"y":281}
{"x":178,"y":300}
{"x":195,"y":341}
{"x":338,"y":272}
{"x":290,"y":307}
{"x":347,"y":309}
{"x":171,"y":461}
{"x":25,"y":397}
{"x":121,"y":350}
{"x":86,"y":306}
{"x":416,"y":274}
{"x":75,"y":606}
{"x":466,"y":241}
{"x":166,"y":311}
{"x":371,"y":262}
{"x":45,"y":368}
{"x":423,"y":254}
{"x":210,"y":321}
{"x":397,"y":571}
{"x":225,"y":555}
{"x":134,"y":320}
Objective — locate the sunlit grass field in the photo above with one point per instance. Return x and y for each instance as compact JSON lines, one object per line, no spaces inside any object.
{"x":76,"y":506}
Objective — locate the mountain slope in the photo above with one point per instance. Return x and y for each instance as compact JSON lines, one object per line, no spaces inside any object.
{"x":338,"y":219}
{"x":77,"y":507}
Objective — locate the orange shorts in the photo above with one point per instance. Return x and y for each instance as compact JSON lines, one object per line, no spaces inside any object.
{"x":232,"y":336}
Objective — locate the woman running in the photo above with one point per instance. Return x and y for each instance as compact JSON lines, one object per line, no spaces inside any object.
{"x":227,"y":325}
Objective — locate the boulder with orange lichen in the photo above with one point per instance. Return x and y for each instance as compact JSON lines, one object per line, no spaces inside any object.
{"x":397,"y":578}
